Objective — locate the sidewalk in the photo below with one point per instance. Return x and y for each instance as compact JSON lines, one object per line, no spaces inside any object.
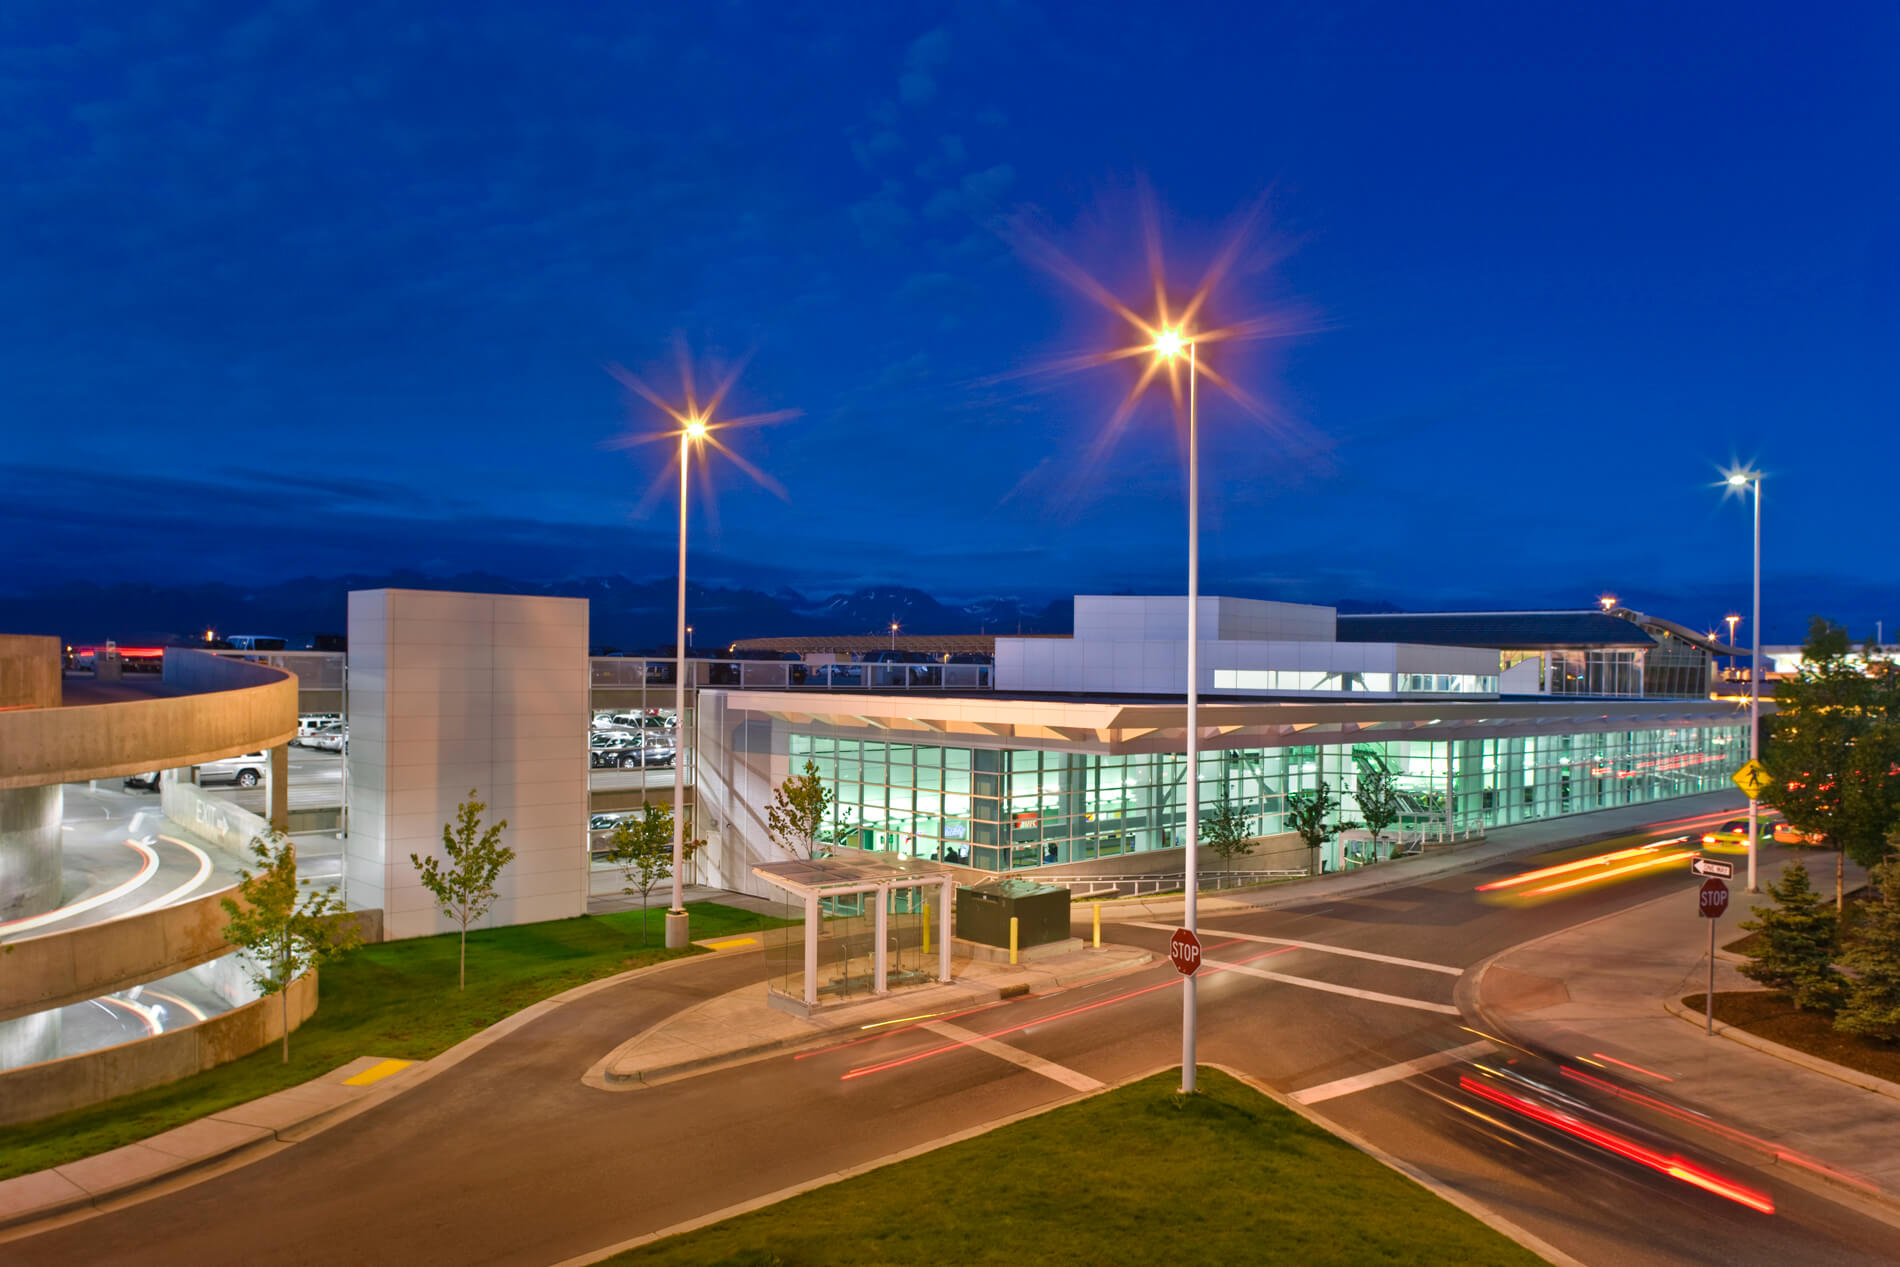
{"x":1609,"y":986}
{"x":740,"y":1025}
{"x":273,"y":1121}
{"x":1436,"y":862}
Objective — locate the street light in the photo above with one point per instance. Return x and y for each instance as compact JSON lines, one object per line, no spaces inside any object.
{"x":893,"y":635}
{"x":1168,"y":345}
{"x":1731,"y":618}
{"x":1740,"y":479}
{"x":694,"y":426}
{"x":1608,"y":601}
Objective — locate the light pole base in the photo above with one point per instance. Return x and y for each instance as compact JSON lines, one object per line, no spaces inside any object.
{"x":677,"y":936}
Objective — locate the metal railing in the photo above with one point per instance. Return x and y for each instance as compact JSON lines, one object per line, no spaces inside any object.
{"x":315,"y":670}
{"x":786,"y":675}
{"x":1162,"y":882}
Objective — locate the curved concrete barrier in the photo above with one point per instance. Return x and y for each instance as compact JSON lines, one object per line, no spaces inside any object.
{"x":225,"y":707}
{"x":55,"y":969}
{"x":54,"y":1086}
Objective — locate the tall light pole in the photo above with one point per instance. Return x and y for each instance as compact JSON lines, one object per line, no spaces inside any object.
{"x":678,"y":934}
{"x":1171,"y":343}
{"x":1731,"y":618}
{"x":1746,"y":479}
{"x":893,"y":635}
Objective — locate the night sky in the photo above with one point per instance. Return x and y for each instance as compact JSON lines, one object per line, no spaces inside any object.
{"x":313,"y":289}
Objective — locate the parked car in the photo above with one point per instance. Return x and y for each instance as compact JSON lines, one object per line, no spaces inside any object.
{"x":147,"y":781}
{"x":332,"y":738}
{"x":308,"y":724}
{"x":246,"y":770}
{"x":607,"y":748}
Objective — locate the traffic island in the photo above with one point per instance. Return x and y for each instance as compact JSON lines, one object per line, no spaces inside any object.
{"x":1225,"y":1176}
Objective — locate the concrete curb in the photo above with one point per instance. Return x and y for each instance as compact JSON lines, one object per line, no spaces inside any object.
{"x":1793,"y":1055}
{"x":191,"y":1170}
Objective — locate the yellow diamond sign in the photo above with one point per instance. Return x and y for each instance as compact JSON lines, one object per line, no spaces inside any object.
{"x":1752,"y":779}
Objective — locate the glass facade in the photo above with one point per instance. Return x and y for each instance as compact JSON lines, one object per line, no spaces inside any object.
{"x":1001,"y":809}
{"x":1318,"y":680}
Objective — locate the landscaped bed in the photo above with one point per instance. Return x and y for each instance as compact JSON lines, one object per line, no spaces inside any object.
{"x":1132,"y":1176}
{"x":395,"y":999}
{"x":1771,"y":1015}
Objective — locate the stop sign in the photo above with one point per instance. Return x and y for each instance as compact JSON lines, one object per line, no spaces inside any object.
{"x":1714,"y":898}
{"x":1184,"y":948}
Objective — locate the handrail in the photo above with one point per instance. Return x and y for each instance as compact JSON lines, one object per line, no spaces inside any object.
{"x":1167,"y":882}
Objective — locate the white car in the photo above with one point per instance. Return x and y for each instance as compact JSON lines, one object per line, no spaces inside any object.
{"x":247,"y":770}
{"x":309,"y":724}
{"x":333,"y":738}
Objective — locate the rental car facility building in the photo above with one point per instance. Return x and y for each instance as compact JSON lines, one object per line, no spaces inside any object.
{"x":1072,"y":749}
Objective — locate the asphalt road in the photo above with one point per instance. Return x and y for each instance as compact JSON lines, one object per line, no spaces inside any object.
{"x":508,"y":1158}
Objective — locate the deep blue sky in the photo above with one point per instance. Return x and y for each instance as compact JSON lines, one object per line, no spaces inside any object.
{"x":321,"y":288}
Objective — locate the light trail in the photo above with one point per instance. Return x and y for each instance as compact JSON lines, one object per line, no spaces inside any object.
{"x":188,"y":887}
{"x":1625,"y":869}
{"x":1565,"y":868}
{"x":1609,"y":1141}
{"x":146,"y":1016}
{"x":1627,"y":1065}
{"x":117,"y":891}
{"x":196,"y":1012}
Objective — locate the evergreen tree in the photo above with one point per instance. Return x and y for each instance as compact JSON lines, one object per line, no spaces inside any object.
{"x":1872,"y":956}
{"x":1800,"y":938}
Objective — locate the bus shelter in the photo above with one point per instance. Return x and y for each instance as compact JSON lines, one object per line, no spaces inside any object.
{"x":873,"y":922}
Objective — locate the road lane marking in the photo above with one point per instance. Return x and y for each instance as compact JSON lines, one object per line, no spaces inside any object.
{"x":1447,"y":969}
{"x":1391,"y":1073}
{"x":1073,"y":1079}
{"x":730,"y":942}
{"x":377,"y":1072}
{"x":1327,"y":986}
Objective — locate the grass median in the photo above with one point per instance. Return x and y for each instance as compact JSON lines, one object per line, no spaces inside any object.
{"x":1132,"y":1176}
{"x":390,"y":999}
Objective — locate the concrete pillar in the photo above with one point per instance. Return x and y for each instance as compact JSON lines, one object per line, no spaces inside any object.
{"x":881,"y":955}
{"x":814,"y":929}
{"x":277,"y":784}
{"x":30,"y":867}
{"x":28,"y":1040}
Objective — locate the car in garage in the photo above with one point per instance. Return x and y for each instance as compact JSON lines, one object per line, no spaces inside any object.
{"x":247,"y":770}
{"x":332,"y":738}
{"x":147,"y":781}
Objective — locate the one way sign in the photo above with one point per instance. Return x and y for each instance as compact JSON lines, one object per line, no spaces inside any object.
{"x":1713,"y":867}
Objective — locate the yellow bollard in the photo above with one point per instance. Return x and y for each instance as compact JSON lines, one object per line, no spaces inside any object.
{"x":1012,"y":939}
{"x":926,"y":928}
{"x":1098,"y":924}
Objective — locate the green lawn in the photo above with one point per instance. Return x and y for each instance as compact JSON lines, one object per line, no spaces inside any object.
{"x":390,"y":999}
{"x":1133,"y":1176}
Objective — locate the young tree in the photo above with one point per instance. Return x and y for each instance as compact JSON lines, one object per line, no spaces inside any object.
{"x":1310,"y":815}
{"x":1225,"y":832}
{"x":797,"y":812}
{"x":1800,"y":938}
{"x":1872,"y":955}
{"x":1379,"y":800}
{"x":643,"y":850}
{"x":464,"y":886}
{"x":284,"y":928}
{"x":1833,"y":747}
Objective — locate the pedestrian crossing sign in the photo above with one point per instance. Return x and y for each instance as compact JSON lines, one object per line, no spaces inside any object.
{"x":1752,"y":778}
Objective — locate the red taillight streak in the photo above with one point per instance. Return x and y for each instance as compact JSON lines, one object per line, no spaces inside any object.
{"x":862,"y":1070}
{"x":1674,"y":1167}
{"x":1627,"y":1065}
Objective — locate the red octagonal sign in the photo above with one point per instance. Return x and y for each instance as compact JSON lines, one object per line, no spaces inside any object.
{"x":1714,"y":899}
{"x":1184,"y":948}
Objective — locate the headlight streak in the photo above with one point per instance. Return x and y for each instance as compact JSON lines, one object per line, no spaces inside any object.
{"x":1580,"y":864}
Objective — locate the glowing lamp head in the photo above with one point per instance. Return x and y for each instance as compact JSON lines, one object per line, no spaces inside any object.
{"x":1169,"y":343}
{"x":696,"y":428}
{"x":1608,"y":601}
{"x":1738,"y":479}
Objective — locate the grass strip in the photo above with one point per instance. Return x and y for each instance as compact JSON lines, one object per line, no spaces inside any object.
{"x":395,"y":999}
{"x":1137,"y":1175}
{"x":1772,"y":1015}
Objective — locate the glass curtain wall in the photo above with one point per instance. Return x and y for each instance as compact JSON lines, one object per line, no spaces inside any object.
{"x":1003,"y":809}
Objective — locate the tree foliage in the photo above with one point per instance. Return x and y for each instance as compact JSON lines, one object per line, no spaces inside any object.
{"x":284,"y":927}
{"x":797,"y":812}
{"x":1800,"y":938}
{"x":643,"y":850}
{"x":1225,"y":832}
{"x":463,"y":884}
{"x":1833,"y":747}
{"x":1872,"y":957}
{"x":1379,"y":800}
{"x":1310,"y":814}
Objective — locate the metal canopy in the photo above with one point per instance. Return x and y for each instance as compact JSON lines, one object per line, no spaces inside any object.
{"x":854,"y":870}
